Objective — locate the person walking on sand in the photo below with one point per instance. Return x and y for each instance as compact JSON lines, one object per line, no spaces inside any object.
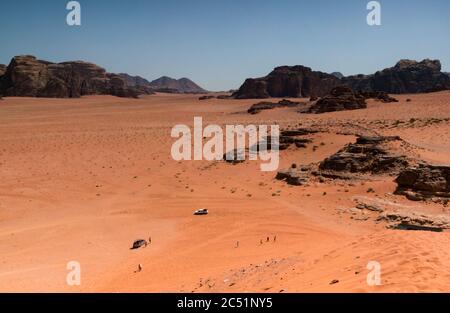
{"x":237,"y":244}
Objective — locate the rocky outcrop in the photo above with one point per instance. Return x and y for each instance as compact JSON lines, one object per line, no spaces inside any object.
{"x":406,"y":76}
{"x":378,"y":96}
{"x":299,"y":81}
{"x":288,"y":81}
{"x":27,"y":76}
{"x":261,"y":106}
{"x":295,"y":176}
{"x":340,"y":99}
{"x":415,"y":221}
{"x":367,"y":155}
{"x":425,"y":182}
{"x":170,"y":85}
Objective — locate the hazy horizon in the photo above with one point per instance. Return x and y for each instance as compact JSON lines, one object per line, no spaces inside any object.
{"x":220,"y":44}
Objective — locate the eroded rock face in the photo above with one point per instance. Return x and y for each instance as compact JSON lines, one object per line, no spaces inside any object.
{"x":424,"y":182}
{"x":27,"y":76}
{"x":415,"y":221}
{"x":340,"y":99}
{"x":288,"y":81}
{"x":365,"y":156}
{"x":406,"y":76}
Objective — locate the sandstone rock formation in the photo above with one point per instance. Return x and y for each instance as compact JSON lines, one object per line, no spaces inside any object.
{"x":424,"y":182}
{"x":406,"y":76}
{"x":288,"y":81}
{"x":367,"y":155}
{"x":415,"y":221}
{"x":340,"y":98}
{"x":378,"y":95}
{"x":296,"y":176}
{"x":299,"y":81}
{"x":28,"y":76}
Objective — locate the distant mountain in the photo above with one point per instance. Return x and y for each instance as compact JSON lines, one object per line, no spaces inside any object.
{"x":447,"y":73}
{"x":338,"y":75}
{"x":134,"y":81}
{"x":183,"y":85}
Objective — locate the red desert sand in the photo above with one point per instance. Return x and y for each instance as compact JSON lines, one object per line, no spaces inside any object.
{"x":82,"y":179}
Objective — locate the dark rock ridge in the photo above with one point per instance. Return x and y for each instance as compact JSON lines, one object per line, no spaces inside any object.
{"x":424,"y":182}
{"x":134,"y":81}
{"x":288,"y":81}
{"x":261,"y":106}
{"x":183,"y":85}
{"x":340,"y":98}
{"x":27,"y":76}
{"x":367,"y":155}
{"x":299,"y":81}
{"x":406,"y":76}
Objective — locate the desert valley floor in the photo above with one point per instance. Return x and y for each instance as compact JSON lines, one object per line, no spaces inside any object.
{"x":81,"y":179}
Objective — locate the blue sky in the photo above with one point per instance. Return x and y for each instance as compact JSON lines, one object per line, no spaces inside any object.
{"x":219,"y":43}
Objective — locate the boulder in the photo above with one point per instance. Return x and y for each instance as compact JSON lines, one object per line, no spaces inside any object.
{"x":139,"y":243}
{"x":288,"y":81}
{"x":294,"y":176}
{"x":424,"y":181}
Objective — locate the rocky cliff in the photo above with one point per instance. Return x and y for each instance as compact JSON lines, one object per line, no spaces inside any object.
{"x":288,"y":81}
{"x":26,"y":76}
{"x":299,"y":81}
{"x":406,"y":76}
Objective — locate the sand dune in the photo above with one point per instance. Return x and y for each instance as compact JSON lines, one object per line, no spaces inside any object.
{"x":81,"y":179}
